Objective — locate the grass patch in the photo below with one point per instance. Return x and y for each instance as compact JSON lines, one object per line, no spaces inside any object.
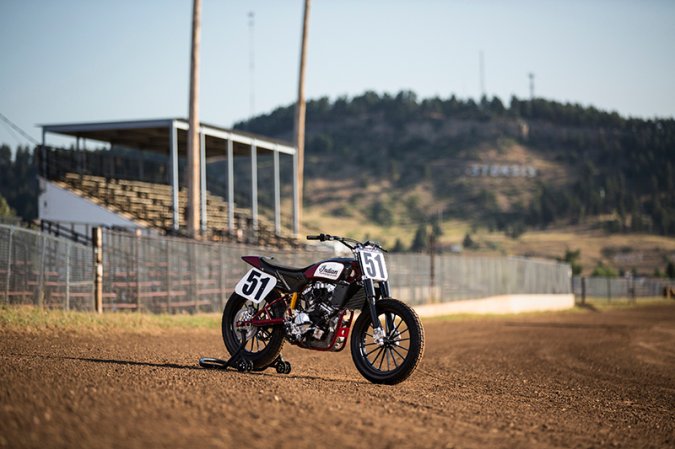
{"x":36,"y":319}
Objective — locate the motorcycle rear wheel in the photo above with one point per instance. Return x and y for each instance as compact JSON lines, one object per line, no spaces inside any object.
{"x":263,"y":343}
{"x":397,"y":358}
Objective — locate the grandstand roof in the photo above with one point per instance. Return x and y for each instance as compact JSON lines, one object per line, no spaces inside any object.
{"x":155,"y":135}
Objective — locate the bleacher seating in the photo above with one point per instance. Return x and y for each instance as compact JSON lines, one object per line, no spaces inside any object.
{"x":150,"y":205}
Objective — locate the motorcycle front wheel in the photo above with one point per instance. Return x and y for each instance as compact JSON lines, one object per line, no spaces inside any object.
{"x":263,"y":344}
{"x":394,"y":359}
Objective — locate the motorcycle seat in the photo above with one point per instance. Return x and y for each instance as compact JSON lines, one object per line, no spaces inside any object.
{"x":269,"y":264}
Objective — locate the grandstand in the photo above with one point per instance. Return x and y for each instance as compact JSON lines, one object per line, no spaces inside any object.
{"x":81,"y":189}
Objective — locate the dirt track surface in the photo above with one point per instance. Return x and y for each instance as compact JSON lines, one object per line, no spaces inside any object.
{"x":604,"y":379}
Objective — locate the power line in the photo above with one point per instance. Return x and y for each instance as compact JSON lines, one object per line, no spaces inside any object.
{"x":19,"y":130}
{"x":17,"y":138}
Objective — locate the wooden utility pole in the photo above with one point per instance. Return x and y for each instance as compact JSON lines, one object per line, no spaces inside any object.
{"x":300,"y":123}
{"x":193,"y":156}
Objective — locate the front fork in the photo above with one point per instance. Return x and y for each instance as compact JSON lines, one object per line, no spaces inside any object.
{"x":371,"y":297}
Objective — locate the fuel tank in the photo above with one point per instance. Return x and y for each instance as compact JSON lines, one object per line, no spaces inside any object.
{"x":336,"y":269}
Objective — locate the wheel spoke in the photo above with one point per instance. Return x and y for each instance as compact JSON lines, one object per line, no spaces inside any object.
{"x":389,"y":320}
{"x":370,"y":352}
{"x":381,"y":361}
{"x":391,"y":349}
{"x":377,"y":356}
{"x":396,"y":351}
{"x":397,"y":326}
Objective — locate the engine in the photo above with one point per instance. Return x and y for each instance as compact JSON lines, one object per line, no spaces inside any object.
{"x":315,"y":320}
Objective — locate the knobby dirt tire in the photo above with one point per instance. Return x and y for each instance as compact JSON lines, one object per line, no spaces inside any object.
{"x":363,"y":326}
{"x":263,"y":358}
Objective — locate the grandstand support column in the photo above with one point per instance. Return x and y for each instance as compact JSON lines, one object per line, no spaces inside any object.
{"x":202,"y":180}
{"x":230,"y":186}
{"x":77,"y":155}
{"x":254,"y":185}
{"x":173,"y":147}
{"x":277,"y":195}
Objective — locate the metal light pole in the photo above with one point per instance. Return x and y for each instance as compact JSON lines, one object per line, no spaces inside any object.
{"x":193,"y":156}
{"x":300,"y":127}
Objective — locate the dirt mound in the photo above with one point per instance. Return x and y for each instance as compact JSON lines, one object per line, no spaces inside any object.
{"x":561,"y":380}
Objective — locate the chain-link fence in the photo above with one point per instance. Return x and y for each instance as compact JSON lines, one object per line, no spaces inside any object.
{"x":420,"y":278}
{"x":165,"y":274}
{"x":39,"y":269}
{"x":625,"y":289}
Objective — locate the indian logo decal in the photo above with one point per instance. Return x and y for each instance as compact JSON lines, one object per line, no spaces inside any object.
{"x":329,"y":270}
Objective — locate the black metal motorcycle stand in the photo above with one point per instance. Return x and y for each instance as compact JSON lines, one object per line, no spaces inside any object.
{"x":241,"y":364}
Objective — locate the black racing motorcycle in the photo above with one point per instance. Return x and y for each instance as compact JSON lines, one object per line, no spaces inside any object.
{"x":313,"y":308}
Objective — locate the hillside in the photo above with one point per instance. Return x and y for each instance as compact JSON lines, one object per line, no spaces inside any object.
{"x":533,"y":178}
{"x":384,"y":165}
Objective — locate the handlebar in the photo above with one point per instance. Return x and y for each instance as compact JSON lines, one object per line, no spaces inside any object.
{"x":321,"y":237}
{"x":345,"y":241}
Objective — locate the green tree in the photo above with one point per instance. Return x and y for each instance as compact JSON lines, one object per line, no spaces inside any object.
{"x":572,"y":258}
{"x":5,"y":210}
{"x":420,"y":240}
{"x":468,"y":242}
{"x":602,"y":270}
{"x":670,"y":270}
{"x":381,"y":213}
{"x":398,"y":246}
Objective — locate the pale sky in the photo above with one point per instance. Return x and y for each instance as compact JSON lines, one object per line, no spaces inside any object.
{"x":93,"y":60}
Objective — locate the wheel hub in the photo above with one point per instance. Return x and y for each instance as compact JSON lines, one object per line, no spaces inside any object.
{"x":242,"y":321}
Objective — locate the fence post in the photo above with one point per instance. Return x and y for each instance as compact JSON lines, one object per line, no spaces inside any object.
{"x":68,"y":245}
{"x":432,"y":269}
{"x":9,"y":265}
{"x":583,"y":290}
{"x":168,"y":277}
{"x":413,"y":287}
{"x":41,"y":275}
{"x":194,"y":275}
{"x":97,"y":243}
{"x":222,"y":277}
{"x":137,"y":243}
{"x":609,"y":290}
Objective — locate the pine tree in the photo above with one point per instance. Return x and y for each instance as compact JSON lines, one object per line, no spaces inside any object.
{"x":419,"y":242}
